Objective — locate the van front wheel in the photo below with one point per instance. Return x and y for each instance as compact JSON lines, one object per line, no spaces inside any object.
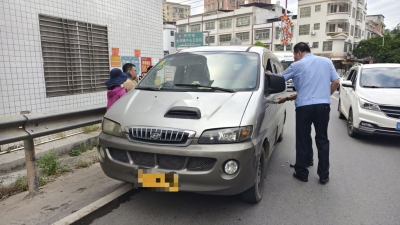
{"x":255,"y":193}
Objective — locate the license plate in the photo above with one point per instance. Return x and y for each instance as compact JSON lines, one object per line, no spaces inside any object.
{"x":398,"y":126}
{"x":164,"y":182}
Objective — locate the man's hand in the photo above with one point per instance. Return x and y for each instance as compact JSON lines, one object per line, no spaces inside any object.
{"x":281,"y":100}
{"x":334,"y":85}
{"x":290,"y":98}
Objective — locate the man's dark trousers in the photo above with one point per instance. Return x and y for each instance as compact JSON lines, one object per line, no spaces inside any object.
{"x":318,"y":115}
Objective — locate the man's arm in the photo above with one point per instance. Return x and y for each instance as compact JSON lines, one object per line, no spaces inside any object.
{"x":334,"y":85}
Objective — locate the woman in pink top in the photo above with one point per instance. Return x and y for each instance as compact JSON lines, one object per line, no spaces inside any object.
{"x":114,"y":86}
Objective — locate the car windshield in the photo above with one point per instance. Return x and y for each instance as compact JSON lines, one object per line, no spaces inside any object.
{"x":381,"y":77}
{"x":204,"y":71}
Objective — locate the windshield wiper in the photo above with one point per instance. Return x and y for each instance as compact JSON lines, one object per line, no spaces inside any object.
{"x":204,"y":86}
{"x":147,"y":88}
{"x":372,"y":86}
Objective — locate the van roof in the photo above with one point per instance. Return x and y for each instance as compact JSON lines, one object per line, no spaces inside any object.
{"x":235,"y":48}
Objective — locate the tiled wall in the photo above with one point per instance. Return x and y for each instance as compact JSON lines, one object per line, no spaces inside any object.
{"x":134,"y":24}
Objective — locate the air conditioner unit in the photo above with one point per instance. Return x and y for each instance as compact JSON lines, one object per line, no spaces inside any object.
{"x":312,"y":32}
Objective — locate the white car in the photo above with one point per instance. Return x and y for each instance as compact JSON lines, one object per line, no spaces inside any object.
{"x":370,"y":100}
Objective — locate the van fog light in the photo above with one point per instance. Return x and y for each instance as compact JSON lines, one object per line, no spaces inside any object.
{"x":231,"y":167}
{"x":102,"y":153}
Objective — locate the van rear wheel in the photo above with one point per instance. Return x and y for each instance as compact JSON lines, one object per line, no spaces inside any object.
{"x":255,"y":193}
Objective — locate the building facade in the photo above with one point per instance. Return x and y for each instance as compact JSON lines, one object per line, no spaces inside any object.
{"x":331,"y":28}
{"x":250,"y":23}
{"x":56,"y":55}
{"x":213,"y":5}
{"x":169,"y":38}
{"x":175,"y":11}
{"x":374,"y":26}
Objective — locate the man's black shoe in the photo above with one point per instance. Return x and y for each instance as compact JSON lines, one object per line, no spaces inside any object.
{"x":324,"y":181}
{"x":299,"y":178}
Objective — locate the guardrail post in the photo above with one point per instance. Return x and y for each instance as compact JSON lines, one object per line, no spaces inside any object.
{"x":30,"y":161}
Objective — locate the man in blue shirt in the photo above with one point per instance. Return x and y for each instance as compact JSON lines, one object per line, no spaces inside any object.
{"x":315,"y":80}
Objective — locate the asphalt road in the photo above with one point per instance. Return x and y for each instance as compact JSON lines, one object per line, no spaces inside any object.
{"x":364,"y":188}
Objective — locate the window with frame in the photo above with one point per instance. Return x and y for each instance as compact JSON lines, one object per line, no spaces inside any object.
{"x":211,"y":38}
{"x":243,"y":21}
{"x":75,"y":56}
{"x":327,"y":46}
{"x":339,"y":8}
{"x":195,"y":27}
{"x":316,"y":26}
{"x":220,"y":4}
{"x":181,"y":29}
{"x":244,"y":36}
{"x":315,"y":44}
{"x":225,"y":37}
{"x":318,"y":8}
{"x":172,"y":44}
{"x":226,"y":23}
{"x":332,"y":28}
{"x":172,"y":33}
{"x":262,"y":34}
{"x":277,"y":33}
{"x":210,"y":25}
{"x":304,"y":29}
{"x":352,"y":30}
{"x":354,"y":13}
{"x":305,"y":12}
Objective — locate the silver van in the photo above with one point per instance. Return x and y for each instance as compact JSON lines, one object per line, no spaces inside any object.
{"x":202,"y":120}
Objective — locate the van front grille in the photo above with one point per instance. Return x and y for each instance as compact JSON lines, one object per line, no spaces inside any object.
{"x":163,"y":161}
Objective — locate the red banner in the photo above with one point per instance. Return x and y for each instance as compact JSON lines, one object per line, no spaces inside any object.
{"x":145,"y":62}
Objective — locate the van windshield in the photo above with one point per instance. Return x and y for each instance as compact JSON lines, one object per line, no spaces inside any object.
{"x":381,"y":77}
{"x":237,"y":71}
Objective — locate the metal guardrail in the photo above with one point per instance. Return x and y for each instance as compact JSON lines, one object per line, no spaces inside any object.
{"x":29,"y":126}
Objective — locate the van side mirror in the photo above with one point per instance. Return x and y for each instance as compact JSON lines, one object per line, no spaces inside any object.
{"x":274,"y":83}
{"x":347,"y":83}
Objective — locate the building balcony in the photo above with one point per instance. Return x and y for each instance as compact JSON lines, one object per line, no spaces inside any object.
{"x":337,"y":35}
{"x":338,"y":17}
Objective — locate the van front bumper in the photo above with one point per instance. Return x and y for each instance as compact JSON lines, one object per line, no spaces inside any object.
{"x":199,"y":167}
{"x":371,"y":122}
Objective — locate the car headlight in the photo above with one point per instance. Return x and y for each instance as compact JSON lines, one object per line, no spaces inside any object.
{"x":111,"y":127}
{"x":226,"y":135}
{"x":368,"y":105}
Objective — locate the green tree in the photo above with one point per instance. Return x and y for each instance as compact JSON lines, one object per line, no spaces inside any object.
{"x":259,"y":43}
{"x":382,"y":49}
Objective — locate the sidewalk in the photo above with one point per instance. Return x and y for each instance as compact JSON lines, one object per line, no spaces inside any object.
{"x":58,"y":199}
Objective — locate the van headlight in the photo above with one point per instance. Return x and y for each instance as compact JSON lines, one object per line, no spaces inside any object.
{"x":111,"y":127}
{"x":226,"y":135}
{"x":368,"y":105}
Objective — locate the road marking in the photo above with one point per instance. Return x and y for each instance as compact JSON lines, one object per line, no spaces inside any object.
{"x":335,"y":98}
{"x":94,"y":206}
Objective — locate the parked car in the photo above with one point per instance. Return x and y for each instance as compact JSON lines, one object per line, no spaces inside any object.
{"x":370,"y":100}
{"x":199,"y":121}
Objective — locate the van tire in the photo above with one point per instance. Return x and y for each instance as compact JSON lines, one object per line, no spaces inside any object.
{"x":280,"y":139}
{"x":255,"y":193}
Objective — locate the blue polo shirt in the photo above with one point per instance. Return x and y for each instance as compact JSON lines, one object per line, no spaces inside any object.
{"x":312,"y":77}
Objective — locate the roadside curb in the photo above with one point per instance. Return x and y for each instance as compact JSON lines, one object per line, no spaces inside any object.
{"x":94,"y":206}
{"x":19,"y":164}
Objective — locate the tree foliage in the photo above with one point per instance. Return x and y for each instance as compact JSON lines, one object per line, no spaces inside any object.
{"x":259,"y":43}
{"x":382,"y":49}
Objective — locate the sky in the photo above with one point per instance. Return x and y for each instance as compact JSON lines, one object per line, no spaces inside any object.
{"x":388,"y":8}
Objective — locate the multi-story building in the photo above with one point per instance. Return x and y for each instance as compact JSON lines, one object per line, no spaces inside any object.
{"x":249,"y":23}
{"x":374,"y":26}
{"x":175,"y":11}
{"x":332,"y":28}
{"x":69,"y":48}
{"x":213,"y":5}
{"x":169,"y":38}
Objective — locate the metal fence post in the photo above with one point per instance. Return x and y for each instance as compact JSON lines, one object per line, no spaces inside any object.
{"x":30,"y":162}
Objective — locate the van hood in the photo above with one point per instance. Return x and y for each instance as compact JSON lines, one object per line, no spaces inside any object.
{"x":147,"y":108}
{"x":381,"y":96}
